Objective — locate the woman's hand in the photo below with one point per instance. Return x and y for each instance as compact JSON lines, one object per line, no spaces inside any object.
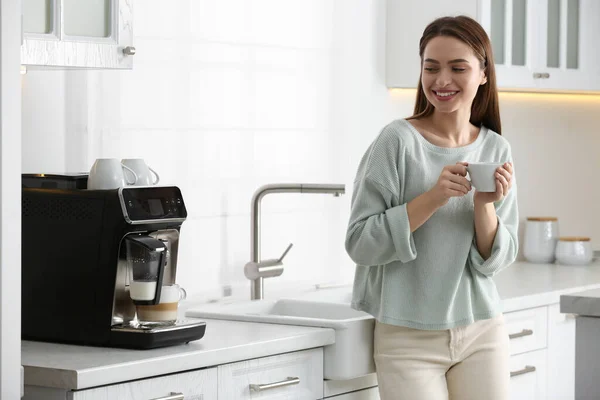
{"x":503,"y":177}
{"x":451,"y":183}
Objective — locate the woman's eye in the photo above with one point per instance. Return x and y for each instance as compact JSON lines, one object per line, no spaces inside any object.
{"x":430,"y":69}
{"x":459,"y":69}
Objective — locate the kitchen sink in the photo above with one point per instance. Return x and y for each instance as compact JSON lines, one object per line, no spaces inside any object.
{"x":349,"y":357}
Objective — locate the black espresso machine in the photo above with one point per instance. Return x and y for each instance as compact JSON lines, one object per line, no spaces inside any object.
{"x":82,"y":252}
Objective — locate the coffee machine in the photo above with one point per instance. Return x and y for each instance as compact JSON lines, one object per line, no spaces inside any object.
{"x":83,"y":251}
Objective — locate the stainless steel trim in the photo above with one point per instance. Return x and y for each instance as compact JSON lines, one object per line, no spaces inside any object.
{"x":149,"y":221}
{"x":171,"y":396}
{"x":291,"y":380}
{"x":182,"y":324}
{"x":524,"y":332}
{"x":528,"y":369}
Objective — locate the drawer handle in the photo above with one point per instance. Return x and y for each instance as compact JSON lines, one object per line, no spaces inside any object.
{"x":287,"y":382}
{"x":524,"y":332}
{"x":172,"y":396}
{"x":526,"y":370}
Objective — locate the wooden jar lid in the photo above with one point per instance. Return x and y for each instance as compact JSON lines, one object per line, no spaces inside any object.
{"x":542,"y":219}
{"x":574,"y":239}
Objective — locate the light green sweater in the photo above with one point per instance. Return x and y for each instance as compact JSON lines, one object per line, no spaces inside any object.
{"x":433,"y":278}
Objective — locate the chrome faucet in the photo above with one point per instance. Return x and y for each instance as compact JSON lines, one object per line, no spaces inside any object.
{"x":256,"y":270}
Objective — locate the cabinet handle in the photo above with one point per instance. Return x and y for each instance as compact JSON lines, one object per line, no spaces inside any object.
{"x":287,"y":382}
{"x":129,"y":50}
{"x":526,"y":370}
{"x":524,"y":332}
{"x":172,"y":396}
{"x":541,"y":75}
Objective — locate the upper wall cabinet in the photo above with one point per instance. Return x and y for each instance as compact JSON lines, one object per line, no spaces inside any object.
{"x":406,"y":21}
{"x":544,"y":45}
{"x":78,"y":33}
{"x":538,"y":45}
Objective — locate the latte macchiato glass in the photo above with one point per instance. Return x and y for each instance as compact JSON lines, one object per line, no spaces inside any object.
{"x":164,"y":313}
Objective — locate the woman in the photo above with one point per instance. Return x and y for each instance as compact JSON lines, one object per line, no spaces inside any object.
{"x":425,"y":242}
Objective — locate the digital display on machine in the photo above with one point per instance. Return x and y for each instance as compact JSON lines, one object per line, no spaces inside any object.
{"x":153,"y":203}
{"x":155,"y":207}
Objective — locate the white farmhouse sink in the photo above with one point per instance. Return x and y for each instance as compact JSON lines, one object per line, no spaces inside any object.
{"x":349,"y":357}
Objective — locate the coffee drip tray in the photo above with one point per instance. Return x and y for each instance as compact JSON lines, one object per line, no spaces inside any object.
{"x":135,"y":327}
{"x":136,"y":336}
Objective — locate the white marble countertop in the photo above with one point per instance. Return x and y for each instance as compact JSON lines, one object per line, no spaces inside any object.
{"x":80,"y":367}
{"x":522,"y":285}
{"x":525,"y":285}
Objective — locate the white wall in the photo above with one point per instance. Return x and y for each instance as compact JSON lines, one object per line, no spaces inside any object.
{"x":228,"y":95}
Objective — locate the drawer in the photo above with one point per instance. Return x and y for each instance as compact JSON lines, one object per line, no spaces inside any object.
{"x":528,"y":376}
{"x":527,"y":329}
{"x":297,"y":376}
{"x":195,"y":385}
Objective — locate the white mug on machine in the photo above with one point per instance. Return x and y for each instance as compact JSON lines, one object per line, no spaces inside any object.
{"x":107,"y":173}
{"x":142,"y":170}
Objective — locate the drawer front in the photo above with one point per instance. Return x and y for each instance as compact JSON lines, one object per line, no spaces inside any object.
{"x":195,"y":385}
{"x":528,"y":376}
{"x":527,"y":329}
{"x":297,"y":376}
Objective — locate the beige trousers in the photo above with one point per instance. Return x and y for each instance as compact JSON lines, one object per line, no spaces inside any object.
{"x":463,"y":363}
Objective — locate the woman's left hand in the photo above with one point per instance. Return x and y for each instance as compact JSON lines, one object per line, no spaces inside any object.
{"x":503,"y":177}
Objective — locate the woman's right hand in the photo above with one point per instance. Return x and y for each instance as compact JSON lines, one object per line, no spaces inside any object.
{"x":451,"y":183}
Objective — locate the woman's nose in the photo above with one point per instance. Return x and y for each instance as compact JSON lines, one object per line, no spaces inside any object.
{"x":443,"y":78}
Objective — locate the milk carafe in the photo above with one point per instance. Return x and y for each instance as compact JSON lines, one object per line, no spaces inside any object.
{"x":146,"y":260}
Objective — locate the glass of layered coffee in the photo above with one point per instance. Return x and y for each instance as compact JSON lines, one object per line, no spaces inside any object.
{"x":165,"y":312}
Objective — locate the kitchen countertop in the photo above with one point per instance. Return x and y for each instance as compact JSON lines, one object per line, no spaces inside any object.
{"x":522,"y":285}
{"x":586,"y":303}
{"x":80,"y":367}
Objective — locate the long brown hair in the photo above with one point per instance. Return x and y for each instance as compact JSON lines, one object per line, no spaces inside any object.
{"x":484,"y":109}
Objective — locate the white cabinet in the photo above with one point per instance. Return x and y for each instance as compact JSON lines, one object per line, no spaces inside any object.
{"x":405,"y":22}
{"x":561,"y":354}
{"x":538,"y":45}
{"x":195,"y":385}
{"x":544,"y":45}
{"x":78,"y":33}
{"x":542,"y":348}
{"x":297,"y":376}
{"x":528,"y":375}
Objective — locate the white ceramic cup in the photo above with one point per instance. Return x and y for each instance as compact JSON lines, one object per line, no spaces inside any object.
{"x":107,"y":173}
{"x":482,"y":176}
{"x":541,"y":235}
{"x":574,"y":251}
{"x":142,"y":170}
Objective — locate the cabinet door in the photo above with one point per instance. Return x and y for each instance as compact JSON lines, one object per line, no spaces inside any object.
{"x":293,"y":376}
{"x":561,"y":354}
{"x":195,"y":385}
{"x":569,"y":59}
{"x":512,"y":26}
{"x":77,"y":33}
{"x":528,"y":376}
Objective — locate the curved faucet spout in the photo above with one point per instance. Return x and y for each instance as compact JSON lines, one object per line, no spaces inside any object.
{"x":317,"y":188}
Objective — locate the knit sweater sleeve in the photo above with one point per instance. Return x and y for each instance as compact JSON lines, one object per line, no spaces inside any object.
{"x":379,"y":230}
{"x":506,"y":245}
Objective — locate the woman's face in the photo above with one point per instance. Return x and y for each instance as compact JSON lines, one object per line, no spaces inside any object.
{"x":451,"y":74}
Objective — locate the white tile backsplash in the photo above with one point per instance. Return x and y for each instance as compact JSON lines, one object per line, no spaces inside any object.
{"x":229,"y":95}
